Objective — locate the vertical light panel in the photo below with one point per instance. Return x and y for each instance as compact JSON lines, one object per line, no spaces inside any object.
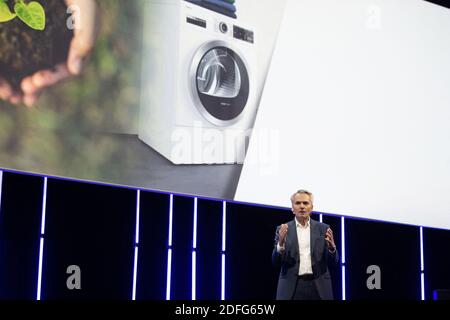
{"x":138,"y":210}
{"x":44,"y":207}
{"x":224,"y":224}
{"x":224,"y":229}
{"x":136,"y":252}
{"x":422,"y":267}
{"x":169,"y":250}
{"x":194,"y":231}
{"x":343,"y":257}
{"x":194,"y":248}
{"x":193,"y":289}
{"x":170,"y":220}
{"x":222,"y":277}
{"x":343,"y":239}
{"x":343,"y":283}
{"x":169,"y":267}
{"x":321,"y":217}
{"x":136,"y":244}
{"x":421,"y":250}
{"x":41,"y":256}
{"x":41,"y":243}
{"x":422,"y":285}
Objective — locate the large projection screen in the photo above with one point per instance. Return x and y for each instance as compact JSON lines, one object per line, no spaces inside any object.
{"x":357,"y":102}
{"x":86,"y":126}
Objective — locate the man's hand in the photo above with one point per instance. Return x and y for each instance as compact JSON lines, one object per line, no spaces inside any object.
{"x":330,"y":240}
{"x":282,"y":234}
{"x":84,"y":16}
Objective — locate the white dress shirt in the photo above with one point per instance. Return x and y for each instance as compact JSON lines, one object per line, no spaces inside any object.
{"x":304,"y":245}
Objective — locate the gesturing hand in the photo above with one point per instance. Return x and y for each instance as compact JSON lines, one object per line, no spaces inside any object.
{"x":282,"y":234}
{"x":330,"y":240}
{"x":84,"y":17}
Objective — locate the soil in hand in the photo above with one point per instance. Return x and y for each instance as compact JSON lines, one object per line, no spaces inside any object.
{"x":23,"y":50}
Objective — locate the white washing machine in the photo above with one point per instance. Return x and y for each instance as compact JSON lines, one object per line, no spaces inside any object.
{"x":199,"y":86}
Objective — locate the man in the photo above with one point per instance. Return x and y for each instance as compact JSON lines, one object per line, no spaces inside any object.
{"x":303,"y":248}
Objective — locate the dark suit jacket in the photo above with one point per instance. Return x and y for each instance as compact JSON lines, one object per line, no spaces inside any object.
{"x":289,"y":261}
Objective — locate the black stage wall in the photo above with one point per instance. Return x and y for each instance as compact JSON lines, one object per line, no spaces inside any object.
{"x":180,"y":241}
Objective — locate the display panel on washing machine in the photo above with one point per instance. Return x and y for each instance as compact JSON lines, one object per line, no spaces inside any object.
{"x":243,"y":34}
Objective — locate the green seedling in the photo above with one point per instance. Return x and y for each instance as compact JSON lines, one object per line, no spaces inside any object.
{"x":32,"y":13}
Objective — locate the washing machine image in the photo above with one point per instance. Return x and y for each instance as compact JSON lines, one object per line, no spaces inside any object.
{"x":199,"y":90}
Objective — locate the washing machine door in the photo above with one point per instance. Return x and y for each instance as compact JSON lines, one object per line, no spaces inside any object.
{"x":220,"y":83}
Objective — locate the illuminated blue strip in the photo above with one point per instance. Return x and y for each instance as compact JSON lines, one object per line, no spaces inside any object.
{"x":136,"y":244}
{"x":169,"y":250}
{"x":321,"y":217}
{"x":224,"y":224}
{"x":170,"y":219}
{"x":194,"y":235}
{"x":194,"y":247}
{"x":169,"y":267}
{"x":224,"y":229}
{"x":222,"y":291}
{"x":44,"y":207}
{"x":193,"y":275}
{"x":136,"y":252}
{"x":41,"y":243}
{"x":138,"y":205}
{"x":422,"y":285}
{"x":343,"y":283}
{"x":41,"y":253}
{"x":343,"y":239}
{"x":422,"y":267}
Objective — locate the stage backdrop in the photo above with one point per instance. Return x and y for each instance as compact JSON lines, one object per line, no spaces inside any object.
{"x":86,"y":127}
{"x":172,"y":93}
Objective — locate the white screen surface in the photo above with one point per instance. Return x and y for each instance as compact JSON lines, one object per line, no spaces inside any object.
{"x":357,"y":101}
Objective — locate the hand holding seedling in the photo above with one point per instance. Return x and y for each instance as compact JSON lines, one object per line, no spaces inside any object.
{"x":84,"y":24}
{"x":33,"y":15}
{"x":82,"y":43}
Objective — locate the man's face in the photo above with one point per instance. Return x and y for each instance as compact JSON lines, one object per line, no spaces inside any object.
{"x":302,"y":206}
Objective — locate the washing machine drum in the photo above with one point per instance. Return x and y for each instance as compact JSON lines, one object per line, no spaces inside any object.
{"x":221,"y":84}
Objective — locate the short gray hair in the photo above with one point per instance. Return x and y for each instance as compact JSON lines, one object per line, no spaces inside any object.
{"x":304,"y":192}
